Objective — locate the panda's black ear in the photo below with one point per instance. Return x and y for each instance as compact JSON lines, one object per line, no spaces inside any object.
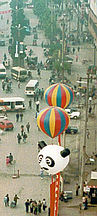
{"x":41,"y":144}
{"x":65,"y":152}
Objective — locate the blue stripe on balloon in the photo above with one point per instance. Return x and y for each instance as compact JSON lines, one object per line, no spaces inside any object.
{"x":59,"y":96}
{"x":63,"y":121}
{"x":46,"y":94}
{"x":46,"y":123}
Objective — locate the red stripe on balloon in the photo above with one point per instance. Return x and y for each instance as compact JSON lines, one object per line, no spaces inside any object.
{"x":42,"y":121}
{"x":67,"y":120}
{"x":49,"y":97}
{"x":58,"y":123}
{"x":63,"y":97}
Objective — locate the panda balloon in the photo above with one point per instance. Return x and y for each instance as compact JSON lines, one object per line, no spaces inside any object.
{"x":53,"y":158}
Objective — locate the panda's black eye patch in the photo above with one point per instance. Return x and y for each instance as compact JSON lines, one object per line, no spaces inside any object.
{"x":40,"y":158}
{"x":50,"y":162}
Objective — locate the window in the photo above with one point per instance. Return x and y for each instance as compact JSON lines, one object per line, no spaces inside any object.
{"x":19,"y":103}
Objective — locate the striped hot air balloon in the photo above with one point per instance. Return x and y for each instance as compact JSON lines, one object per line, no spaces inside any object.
{"x":53,"y":121}
{"x":59,"y":95}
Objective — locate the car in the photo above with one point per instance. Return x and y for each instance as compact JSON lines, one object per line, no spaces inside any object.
{"x":6,"y":125}
{"x":71,"y":130}
{"x":3,"y":117}
{"x":73,"y":113}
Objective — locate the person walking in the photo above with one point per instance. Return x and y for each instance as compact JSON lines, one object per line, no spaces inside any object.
{"x":6,"y":200}
{"x":18,"y":84}
{"x":77,"y":189}
{"x":10,"y":158}
{"x":31,"y":206}
{"x":76,"y":58}
{"x":19,"y":138}
{"x":42,"y":93}
{"x":28,"y":127}
{"x":39,"y":206}
{"x":17,"y":117}
{"x":15,"y":199}
{"x":27,"y":204}
{"x":37,"y":106}
{"x":30,"y":103}
{"x":24,"y":137}
{"x":22,"y":130}
{"x":21,"y":116}
{"x":44,"y":204}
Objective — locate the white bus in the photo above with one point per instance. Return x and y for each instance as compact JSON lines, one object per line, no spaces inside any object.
{"x":12,"y":104}
{"x":18,"y":73}
{"x":2,"y":71}
{"x":31,"y":86}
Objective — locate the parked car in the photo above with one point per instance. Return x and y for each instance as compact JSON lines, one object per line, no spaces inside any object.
{"x":6,"y":125}
{"x":73,"y":113}
{"x":2,"y":117}
{"x":71,"y":130}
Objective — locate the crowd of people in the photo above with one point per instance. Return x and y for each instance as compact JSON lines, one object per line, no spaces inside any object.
{"x":34,"y":206}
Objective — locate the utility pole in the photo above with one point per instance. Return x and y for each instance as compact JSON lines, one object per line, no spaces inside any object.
{"x":52,"y":7}
{"x":63,"y":25}
{"x":85,"y":135}
{"x":94,"y":54}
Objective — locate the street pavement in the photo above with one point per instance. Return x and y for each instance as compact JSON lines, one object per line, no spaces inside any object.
{"x":30,"y":185}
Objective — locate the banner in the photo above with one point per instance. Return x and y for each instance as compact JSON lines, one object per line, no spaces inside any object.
{"x":52,"y":198}
{"x":57,"y":185}
{"x":5,"y":12}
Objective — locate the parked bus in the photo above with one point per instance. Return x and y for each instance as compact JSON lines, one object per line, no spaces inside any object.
{"x":2,"y":71}
{"x":31,"y":86}
{"x":12,"y":104}
{"x":18,"y":73}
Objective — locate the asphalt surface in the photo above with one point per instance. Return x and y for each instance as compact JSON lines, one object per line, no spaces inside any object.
{"x":30,"y":185}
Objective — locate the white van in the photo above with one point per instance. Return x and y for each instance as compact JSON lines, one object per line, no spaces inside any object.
{"x":31,"y":86}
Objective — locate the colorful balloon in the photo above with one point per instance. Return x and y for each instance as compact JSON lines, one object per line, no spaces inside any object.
{"x":53,"y":121}
{"x":53,"y":158}
{"x":59,"y":95}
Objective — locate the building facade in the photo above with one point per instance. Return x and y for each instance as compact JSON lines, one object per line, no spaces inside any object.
{"x":92,"y":19}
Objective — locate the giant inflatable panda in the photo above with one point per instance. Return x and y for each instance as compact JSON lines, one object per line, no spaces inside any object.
{"x":53,"y":158}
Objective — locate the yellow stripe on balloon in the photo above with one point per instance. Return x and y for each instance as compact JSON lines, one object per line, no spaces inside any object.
{"x":39,"y":116}
{"x":54,"y":96}
{"x":52,"y":123}
{"x":47,"y":89}
{"x":67,"y":96}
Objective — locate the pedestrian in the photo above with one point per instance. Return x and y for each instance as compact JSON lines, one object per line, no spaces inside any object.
{"x":37,"y":106}
{"x":22,"y":130}
{"x":73,"y":50}
{"x":10,"y":158}
{"x":78,"y":48}
{"x":17,"y":117}
{"x":18,"y":84}
{"x":28,"y":127}
{"x":19,"y":138}
{"x":77,"y":189}
{"x":35,"y":208}
{"x":38,"y":71}
{"x":42,"y":93}
{"x":90,"y":110}
{"x":41,"y":173}
{"x":31,"y":206}
{"x":30,"y":103}
{"x":7,"y":160}
{"x":86,"y":203}
{"x":76,"y":58}
{"x":3,"y":85}
{"x":15,"y":199}
{"x":88,"y":133}
{"x":27,"y":204}
{"x":24,"y":137}
{"x":21,"y":116}
{"x":44,"y":204}
{"x":39,"y":206}
{"x":6,"y":200}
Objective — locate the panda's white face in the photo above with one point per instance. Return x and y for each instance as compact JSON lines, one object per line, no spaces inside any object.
{"x":51,"y":160}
